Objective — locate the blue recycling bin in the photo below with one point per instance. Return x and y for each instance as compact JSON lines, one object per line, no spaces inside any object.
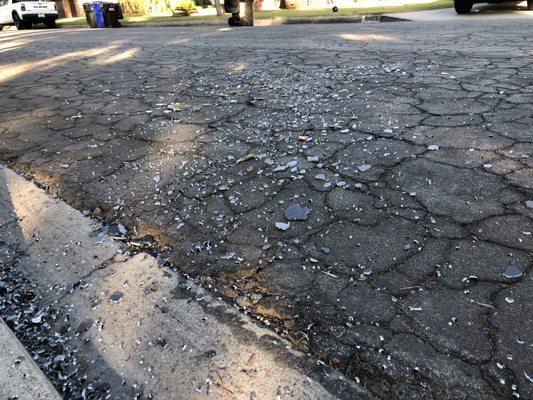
{"x":98,"y":14}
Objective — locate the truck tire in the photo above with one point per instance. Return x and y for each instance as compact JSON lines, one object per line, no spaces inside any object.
{"x":51,"y":24}
{"x":530,"y":5}
{"x":463,"y":6}
{"x":19,"y":23}
{"x":1,"y":27}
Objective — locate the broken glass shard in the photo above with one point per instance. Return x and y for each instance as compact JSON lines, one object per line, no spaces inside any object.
{"x":367,"y":271}
{"x":292,"y":163}
{"x":99,"y":238}
{"x":297,"y":213}
{"x":325,"y":250}
{"x":512,"y":272}
{"x":227,"y":255}
{"x":283,"y":226}
{"x":116,"y":297}
{"x":116,"y":229}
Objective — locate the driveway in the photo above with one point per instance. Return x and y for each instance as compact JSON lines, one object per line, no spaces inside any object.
{"x":363,"y":189}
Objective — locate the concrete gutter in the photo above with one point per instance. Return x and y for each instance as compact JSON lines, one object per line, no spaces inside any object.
{"x":327,"y":20}
{"x":140,"y":325}
{"x":267,"y":21}
{"x":20,"y":377}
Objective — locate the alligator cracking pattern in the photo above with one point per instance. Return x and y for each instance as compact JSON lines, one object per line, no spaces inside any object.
{"x":412,"y":150}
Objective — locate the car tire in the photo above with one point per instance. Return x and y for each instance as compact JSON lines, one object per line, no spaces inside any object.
{"x":530,"y":5}
{"x":1,"y":27}
{"x":51,"y":24}
{"x":19,"y":24}
{"x":463,"y":6}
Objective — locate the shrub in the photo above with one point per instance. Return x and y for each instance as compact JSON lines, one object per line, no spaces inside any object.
{"x":185,"y":6}
{"x":144,"y":7}
{"x":203,"y":3}
{"x":135,"y":6}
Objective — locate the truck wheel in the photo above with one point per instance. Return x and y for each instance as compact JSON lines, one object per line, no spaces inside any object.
{"x":1,"y":27}
{"x":19,"y":24}
{"x":463,"y":6}
{"x":51,"y":24}
{"x":530,"y":5}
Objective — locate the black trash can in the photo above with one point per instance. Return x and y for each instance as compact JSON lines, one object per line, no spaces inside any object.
{"x":112,"y":14}
{"x":89,"y":15}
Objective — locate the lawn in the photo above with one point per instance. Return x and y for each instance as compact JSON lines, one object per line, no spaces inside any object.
{"x":286,"y":14}
{"x":147,"y":19}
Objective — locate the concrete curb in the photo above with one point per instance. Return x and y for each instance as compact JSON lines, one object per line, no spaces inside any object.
{"x":268,"y":22}
{"x":20,"y":377}
{"x":140,"y":325}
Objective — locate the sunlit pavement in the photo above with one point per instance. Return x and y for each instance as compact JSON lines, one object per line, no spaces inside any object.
{"x":405,"y":149}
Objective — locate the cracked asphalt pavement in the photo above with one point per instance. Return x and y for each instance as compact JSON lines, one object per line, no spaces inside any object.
{"x":405,"y":150}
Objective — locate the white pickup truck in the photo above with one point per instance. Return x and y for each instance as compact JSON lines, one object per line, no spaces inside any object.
{"x":25,"y":13}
